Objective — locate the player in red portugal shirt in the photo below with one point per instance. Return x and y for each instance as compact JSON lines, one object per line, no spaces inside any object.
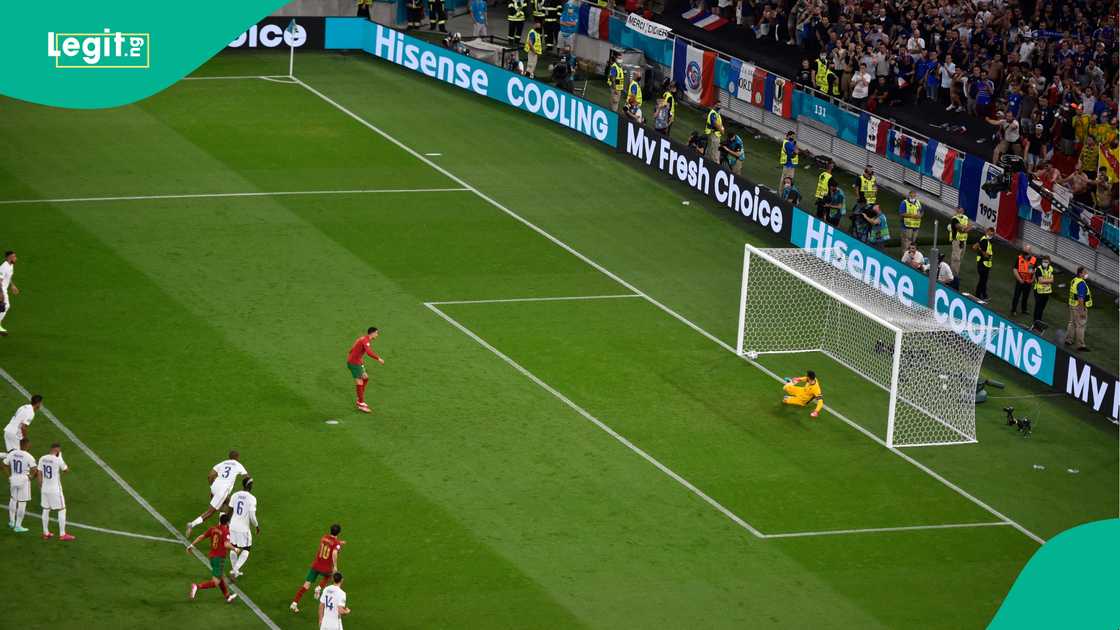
{"x":219,"y":547}
{"x":323,"y":567}
{"x":354,"y":362}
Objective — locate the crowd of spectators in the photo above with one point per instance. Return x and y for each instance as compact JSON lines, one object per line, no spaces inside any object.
{"x":1041,"y":74}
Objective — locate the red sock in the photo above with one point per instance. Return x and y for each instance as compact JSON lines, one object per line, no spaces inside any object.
{"x":222,"y":585}
{"x":362,"y":391}
{"x":204,"y":585}
{"x":300,"y":593}
{"x":324,"y":581}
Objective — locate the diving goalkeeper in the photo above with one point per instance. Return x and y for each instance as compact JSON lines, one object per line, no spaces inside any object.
{"x":803,"y":390}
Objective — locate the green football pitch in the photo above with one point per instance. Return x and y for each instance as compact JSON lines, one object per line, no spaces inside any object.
{"x":194,"y":267}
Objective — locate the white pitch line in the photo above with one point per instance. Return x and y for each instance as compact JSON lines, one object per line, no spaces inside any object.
{"x":115,"y":532}
{"x":132,"y":493}
{"x":254,"y":76}
{"x":651,"y":300}
{"x":540,"y":299}
{"x":871,"y":530}
{"x":599,"y":423}
{"x":281,"y":193}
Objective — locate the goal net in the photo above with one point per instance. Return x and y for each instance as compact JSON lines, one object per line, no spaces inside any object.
{"x":793,"y":301}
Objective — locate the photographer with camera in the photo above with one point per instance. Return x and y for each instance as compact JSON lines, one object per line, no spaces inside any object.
{"x":562,"y":72}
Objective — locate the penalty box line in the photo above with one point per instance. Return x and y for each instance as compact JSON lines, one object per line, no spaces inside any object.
{"x":104,"y":530}
{"x":597,"y":422}
{"x":672,"y":313}
{"x":434,"y":307}
{"x":279,"y":193}
{"x":133,"y":493}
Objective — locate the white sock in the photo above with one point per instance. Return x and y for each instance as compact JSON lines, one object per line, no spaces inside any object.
{"x":241,"y":561}
{"x":196,"y":522}
{"x":46,"y":521}
{"x":3,"y":314}
{"x":11,"y":511}
{"x":233,"y":560}
{"x":21,"y":510}
{"x":62,"y":522}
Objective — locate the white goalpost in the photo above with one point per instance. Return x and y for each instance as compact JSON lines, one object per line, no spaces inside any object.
{"x":792,"y":301}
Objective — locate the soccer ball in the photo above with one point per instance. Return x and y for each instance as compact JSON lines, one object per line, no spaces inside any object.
{"x":752,"y":355}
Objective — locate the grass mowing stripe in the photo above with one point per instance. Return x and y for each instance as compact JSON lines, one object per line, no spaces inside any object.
{"x":599,"y":423}
{"x":656,"y":303}
{"x":871,"y":530}
{"x":282,"y":193}
{"x":132,"y":493}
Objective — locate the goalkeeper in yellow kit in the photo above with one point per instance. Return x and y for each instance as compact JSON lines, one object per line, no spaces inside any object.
{"x":803,"y":390}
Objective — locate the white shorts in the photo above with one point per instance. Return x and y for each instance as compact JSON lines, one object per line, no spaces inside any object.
{"x":331,"y":624}
{"x":219,"y":498}
{"x":241,"y":539}
{"x":52,"y":500}
{"x":21,"y":491}
{"x":11,"y":440}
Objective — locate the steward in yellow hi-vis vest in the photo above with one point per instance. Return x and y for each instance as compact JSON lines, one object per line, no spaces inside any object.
{"x":1080,"y":301}
{"x":821,"y":193}
{"x":534,"y":48}
{"x":868,"y":186}
{"x":911,"y":211}
{"x":616,"y":80}
{"x":1043,"y":288}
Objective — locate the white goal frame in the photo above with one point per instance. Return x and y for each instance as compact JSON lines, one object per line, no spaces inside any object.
{"x":911,"y":319}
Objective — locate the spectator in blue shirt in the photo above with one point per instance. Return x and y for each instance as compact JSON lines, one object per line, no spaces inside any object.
{"x":478,"y":14}
{"x":984,"y":90}
{"x":569,"y":20}
{"x":926,"y":71}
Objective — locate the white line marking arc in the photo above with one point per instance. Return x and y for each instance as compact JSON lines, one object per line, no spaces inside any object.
{"x":656,"y":303}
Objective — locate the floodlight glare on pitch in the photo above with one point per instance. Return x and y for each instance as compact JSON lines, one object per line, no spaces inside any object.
{"x":792,"y":301}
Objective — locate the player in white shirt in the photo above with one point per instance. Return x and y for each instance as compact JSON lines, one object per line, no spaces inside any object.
{"x":222,"y":478}
{"x":243,"y":506}
{"x":51,"y":468}
{"x":16,"y":428}
{"x":7,"y":270}
{"x":21,"y":467}
{"x":332,"y":605}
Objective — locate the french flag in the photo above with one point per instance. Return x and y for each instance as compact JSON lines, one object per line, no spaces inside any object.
{"x":941,"y":161}
{"x":704,"y":19}
{"x":874,"y":132}
{"x":594,"y":22}
{"x":694,"y":72}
